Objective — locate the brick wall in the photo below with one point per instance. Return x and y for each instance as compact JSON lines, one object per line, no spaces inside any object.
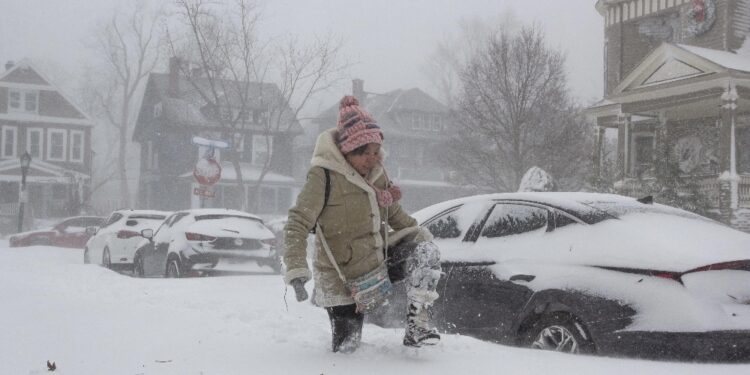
{"x":630,"y":41}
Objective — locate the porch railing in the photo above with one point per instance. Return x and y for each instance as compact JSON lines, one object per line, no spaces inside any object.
{"x":744,"y":191}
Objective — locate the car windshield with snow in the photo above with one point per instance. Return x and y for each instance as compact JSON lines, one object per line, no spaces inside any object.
{"x":206,"y":241}
{"x":589,"y":273}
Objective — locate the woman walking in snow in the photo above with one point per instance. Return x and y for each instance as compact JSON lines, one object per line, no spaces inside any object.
{"x":350,"y":200}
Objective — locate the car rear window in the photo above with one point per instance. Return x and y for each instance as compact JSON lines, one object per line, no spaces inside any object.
{"x":150,"y":217}
{"x":216,"y":216}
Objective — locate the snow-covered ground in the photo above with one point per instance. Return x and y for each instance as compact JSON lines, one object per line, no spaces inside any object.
{"x":90,"y":320}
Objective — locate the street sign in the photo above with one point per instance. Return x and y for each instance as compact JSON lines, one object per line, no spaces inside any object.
{"x":204,"y":191}
{"x":214,"y":143}
{"x":207,"y":171}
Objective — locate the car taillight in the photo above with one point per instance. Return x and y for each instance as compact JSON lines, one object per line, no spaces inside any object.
{"x":738,"y":265}
{"x":667,"y":275}
{"x":127,"y":234}
{"x":198,"y":237}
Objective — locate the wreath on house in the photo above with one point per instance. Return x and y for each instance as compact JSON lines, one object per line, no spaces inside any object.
{"x":701,"y":16}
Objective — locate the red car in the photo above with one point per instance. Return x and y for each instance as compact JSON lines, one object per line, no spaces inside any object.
{"x":70,"y":232}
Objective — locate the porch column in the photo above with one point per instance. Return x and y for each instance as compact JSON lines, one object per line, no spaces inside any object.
{"x":623,"y":144}
{"x":661,"y":151}
{"x":597,"y":156}
{"x":728,"y":180}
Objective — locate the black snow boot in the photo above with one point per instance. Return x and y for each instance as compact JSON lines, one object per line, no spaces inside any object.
{"x":346,"y":328}
{"x":419,"y":331}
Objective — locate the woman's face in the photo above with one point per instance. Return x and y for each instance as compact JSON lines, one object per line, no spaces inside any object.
{"x":364,"y":163}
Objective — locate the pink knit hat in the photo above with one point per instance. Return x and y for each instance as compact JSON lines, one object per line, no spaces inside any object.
{"x":356,"y":127}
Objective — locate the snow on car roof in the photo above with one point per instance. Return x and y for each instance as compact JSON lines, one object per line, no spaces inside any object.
{"x":219,"y":211}
{"x":131,"y":212}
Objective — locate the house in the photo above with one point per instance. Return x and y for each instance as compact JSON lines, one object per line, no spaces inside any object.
{"x":414,"y":126}
{"x":677,"y":82}
{"x":173,"y":112}
{"x":39,"y":118}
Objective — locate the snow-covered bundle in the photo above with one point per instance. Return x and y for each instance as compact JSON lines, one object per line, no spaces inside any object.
{"x":536,"y":179}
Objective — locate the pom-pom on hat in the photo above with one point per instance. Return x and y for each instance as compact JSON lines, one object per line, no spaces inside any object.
{"x":356,"y":127}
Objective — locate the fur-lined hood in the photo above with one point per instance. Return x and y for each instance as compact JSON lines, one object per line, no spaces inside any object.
{"x":327,"y":155}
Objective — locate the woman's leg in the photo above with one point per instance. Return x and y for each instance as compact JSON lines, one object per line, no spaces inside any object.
{"x":346,"y":327}
{"x":418,"y":264}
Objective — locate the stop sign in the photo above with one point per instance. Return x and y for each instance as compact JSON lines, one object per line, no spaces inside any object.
{"x":207,"y":171}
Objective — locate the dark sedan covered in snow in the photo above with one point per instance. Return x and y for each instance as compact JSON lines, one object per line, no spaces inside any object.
{"x":589,"y":273}
{"x":203,"y":241}
{"x":70,"y":232}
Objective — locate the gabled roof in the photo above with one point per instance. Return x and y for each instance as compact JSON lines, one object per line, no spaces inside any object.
{"x":187,"y":107}
{"x":676,"y":62}
{"x":385,"y":107}
{"x":726,"y":59}
{"x":25,"y":74}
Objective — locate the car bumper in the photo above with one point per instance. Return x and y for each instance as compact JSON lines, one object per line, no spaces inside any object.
{"x":228,"y":259}
{"x":715,"y":346}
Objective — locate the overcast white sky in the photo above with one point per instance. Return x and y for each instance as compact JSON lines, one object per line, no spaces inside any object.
{"x":388,"y":40}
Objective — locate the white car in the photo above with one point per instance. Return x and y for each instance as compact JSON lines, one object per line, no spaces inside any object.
{"x":207,"y":241}
{"x":114,"y":243}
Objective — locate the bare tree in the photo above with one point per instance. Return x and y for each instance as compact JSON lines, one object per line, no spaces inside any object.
{"x":230,"y":68}
{"x":514,"y":112}
{"x":128,"y":49}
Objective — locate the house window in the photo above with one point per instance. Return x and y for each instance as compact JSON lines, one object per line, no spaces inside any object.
{"x":436,"y":123}
{"x":9,"y":142}
{"x":56,"y":139}
{"x":34,"y":142}
{"x":238,"y":142}
{"x":158,"y":110}
{"x":76,"y":146}
{"x":260,"y":116}
{"x":262,"y":148}
{"x":23,"y":101}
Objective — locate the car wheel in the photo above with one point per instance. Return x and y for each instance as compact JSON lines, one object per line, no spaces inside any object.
{"x":562,"y":333}
{"x":106,"y":259}
{"x":173,"y":269}
{"x":138,"y":267}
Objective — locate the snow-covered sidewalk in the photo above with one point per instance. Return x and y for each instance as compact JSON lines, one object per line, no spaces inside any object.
{"x":90,"y":320}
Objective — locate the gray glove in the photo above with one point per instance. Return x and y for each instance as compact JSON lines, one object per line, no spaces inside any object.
{"x":299,"y":288}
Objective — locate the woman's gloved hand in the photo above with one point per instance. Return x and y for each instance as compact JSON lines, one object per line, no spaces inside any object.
{"x":299,"y":288}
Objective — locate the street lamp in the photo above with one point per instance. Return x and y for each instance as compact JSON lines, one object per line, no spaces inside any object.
{"x":22,"y":196}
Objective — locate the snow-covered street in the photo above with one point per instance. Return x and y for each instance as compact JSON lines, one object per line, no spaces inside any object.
{"x":90,"y":320}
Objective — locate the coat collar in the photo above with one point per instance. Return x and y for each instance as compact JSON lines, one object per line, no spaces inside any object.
{"x":327,"y":155}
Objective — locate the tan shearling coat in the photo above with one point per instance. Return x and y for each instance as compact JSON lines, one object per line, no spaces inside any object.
{"x":350,"y":222}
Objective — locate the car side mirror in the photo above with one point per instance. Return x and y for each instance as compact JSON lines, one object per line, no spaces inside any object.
{"x":91,"y":230}
{"x":147,"y":233}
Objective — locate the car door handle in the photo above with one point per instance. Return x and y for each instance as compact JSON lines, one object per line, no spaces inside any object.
{"x":520,"y":277}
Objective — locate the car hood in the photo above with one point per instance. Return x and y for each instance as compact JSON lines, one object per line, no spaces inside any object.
{"x":231,"y":227}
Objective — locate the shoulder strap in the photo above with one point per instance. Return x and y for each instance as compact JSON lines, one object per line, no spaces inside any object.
{"x":329,"y":253}
{"x":328,"y":186}
{"x":325,"y":197}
